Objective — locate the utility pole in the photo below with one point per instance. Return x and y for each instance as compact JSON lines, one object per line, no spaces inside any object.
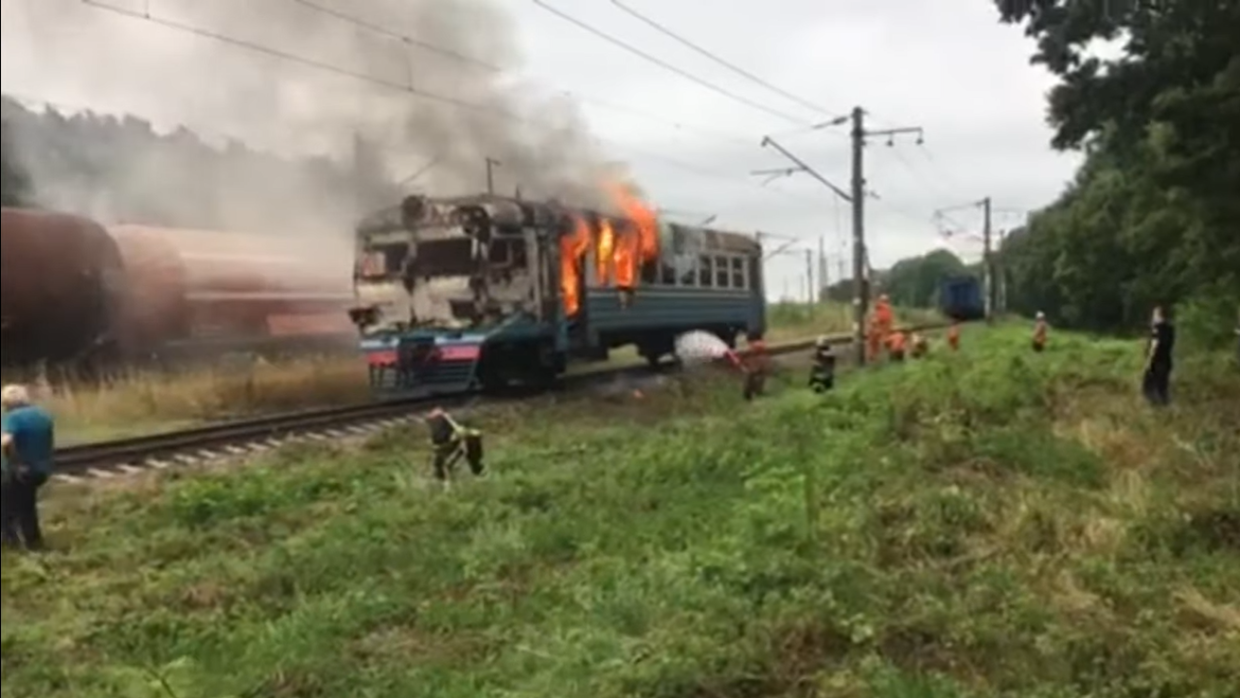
{"x":809,"y":277}
{"x":988,"y":262}
{"x":856,"y":197}
{"x":491,"y":164}
{"x":861,"y":263}
{"x":822,"y":268}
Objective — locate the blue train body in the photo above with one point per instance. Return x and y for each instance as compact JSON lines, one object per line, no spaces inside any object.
{"x":960,"y":298}
{"x":486,"y":291}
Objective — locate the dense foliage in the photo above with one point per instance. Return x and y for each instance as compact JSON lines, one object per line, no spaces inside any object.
{"x":123,"y":169}
{"x":14,"y":185}
{"x":1153,"y":215}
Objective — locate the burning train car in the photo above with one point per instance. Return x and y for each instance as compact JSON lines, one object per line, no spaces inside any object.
{"x":76,"y":291}
{"x":484,"y":291}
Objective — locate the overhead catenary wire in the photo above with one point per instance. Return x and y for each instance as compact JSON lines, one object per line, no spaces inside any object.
{"x":447,"y":100}
{"x":655,"y":60}
{"x":664,"y":30}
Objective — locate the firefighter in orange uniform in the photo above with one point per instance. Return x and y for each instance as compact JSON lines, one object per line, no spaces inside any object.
{"x":896,"y":344}
{"x":953,"y":336}
{"x":1040,"y":331}
{"x":881,"y":325}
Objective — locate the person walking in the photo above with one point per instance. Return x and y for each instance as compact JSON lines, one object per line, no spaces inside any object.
{"x":29,"y":448}
{"x":1156,"y":383}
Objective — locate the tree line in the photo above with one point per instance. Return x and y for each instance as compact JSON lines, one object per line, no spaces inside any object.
{"x":1153,"y":214}
{"x":123,"y":169}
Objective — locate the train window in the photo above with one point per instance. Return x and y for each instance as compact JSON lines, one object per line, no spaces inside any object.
{"x":721,"y":272}
{"x":705,"y":277}
{"x":738,"y":273}
{"x":687,"y":267}
{"x":508,"y":253}
{"x":667,"y":270}
{"x":452,"y":257}
{"x":383,"y":260}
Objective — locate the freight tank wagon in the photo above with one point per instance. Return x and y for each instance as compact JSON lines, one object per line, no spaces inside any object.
{"x":487,"y":291}
{"x":60,"y":279}
{"x":204,"y":291}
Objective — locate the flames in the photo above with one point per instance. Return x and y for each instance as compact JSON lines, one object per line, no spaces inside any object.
{"x":573,"y":248}
{"x":621,"y":250}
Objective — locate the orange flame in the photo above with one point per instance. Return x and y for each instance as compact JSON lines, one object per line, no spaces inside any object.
{"x":606,"y":251}
{"x":572,"y":248}
{"x":647,"y":222}
{"x":626,"y":258}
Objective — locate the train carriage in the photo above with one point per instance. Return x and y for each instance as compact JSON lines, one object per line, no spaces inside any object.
{"x":486,"y":291}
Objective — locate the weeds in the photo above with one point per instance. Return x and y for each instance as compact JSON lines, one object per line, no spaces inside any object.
{"x":142,"y":402}
{"x":983,"y":524}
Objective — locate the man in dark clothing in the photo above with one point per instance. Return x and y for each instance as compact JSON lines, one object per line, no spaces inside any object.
{"x":451,"y":442}
{"x":1156,"y":383}
{"x":822,"y":375}
{"x":28,"y":446}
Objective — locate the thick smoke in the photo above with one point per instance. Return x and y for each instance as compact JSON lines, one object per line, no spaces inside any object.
{"x":72,"y":52}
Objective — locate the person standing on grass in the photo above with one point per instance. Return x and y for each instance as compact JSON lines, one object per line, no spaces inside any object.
{"x":29,"y":447}
{"x":1040,"y":330}
{"x":1156,"y":384}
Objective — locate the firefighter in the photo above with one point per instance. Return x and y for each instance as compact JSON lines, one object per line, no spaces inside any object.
{"x":452,"y":442}
{"x":822,"y":375}
{"x":881,"y":325}
{"x":896,"y":342}
{"x":921,"y":346}
{"x":1040,"y":331}
{"x":757,"y":366}
{"x":953,"y":336}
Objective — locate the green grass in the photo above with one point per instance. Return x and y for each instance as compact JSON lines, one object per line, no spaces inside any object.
{"x":983,"y":524}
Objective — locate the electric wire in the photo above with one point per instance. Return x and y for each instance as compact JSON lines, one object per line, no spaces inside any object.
{"x":650,"y":58}
{"x":664,"y":30}
{"x":482,"y":109}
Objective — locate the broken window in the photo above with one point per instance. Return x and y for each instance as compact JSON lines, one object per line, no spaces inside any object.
{"x":380,"y":261}
{"x":454,"y":257}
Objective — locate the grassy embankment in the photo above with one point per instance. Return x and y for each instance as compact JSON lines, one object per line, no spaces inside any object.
{"x":144,"y":402}
{"x":983,"y":524}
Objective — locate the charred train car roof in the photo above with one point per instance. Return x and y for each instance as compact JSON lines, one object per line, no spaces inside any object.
{"x":416,"y":211}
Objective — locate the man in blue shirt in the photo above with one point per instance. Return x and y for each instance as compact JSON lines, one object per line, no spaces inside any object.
{"x":29,"y":446}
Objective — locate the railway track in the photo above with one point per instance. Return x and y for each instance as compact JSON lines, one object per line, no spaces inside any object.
{"x":217,"y":442}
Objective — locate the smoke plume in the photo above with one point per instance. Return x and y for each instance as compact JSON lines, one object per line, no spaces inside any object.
{"x":78,"y":54}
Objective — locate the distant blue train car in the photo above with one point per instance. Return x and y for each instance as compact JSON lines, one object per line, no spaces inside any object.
{"x":960,"y":298}
{"x":487,"y":291}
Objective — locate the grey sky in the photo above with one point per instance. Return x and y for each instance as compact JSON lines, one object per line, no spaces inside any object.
{"x":946,"y":65}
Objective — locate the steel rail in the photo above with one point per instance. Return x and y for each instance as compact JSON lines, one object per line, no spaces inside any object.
{"x":186,"y":446}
